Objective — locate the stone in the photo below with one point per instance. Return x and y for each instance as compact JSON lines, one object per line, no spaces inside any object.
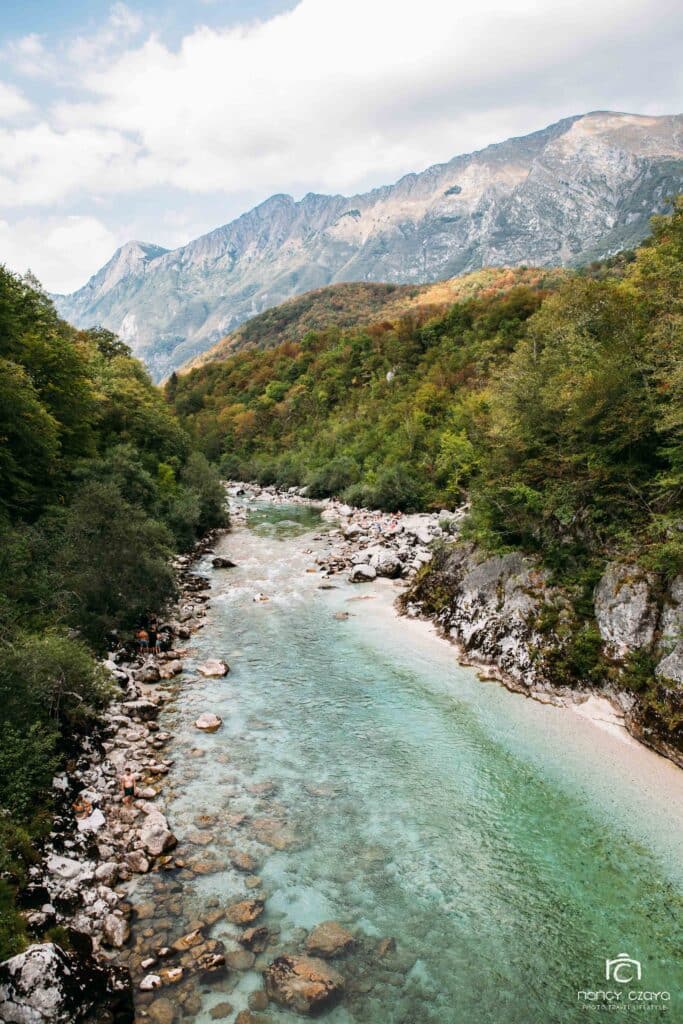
{"x":258,"y":1000}
{"x":208,"y":722}
{"x":214,"y":667}
{"x":64,"y":867}
{"x":115,"y":931}
{"x":93,"y":823}
{"x":161,"y":1011}
{"x":274,"y":833}
{"x":107,"y":873}
{"x":245,"y":911}
{"x":155,"y":835}
{"x":385,"y":946}
{"x":303,"y":984}
{"x":170,"y":669}
{"x":147,"y":674}
{"x":671,"y":667}
{"x":624,"y":610}
{"x":362,"y":573}
{"x":137,"y":862}
{"x":150,"y":982}
{"x":255,"y":939}
{"x":243,"y":861}
{"x":220,"y":1011}
{"x":329,"y":939}
{"x":185,"y":942}
{"x":219,"y":562}
{"x":240,"y":960}
{"x":45,"y":985}
{"x":171,"y":975}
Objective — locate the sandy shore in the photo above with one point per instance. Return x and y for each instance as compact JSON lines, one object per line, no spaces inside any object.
{"x":585,"y":728}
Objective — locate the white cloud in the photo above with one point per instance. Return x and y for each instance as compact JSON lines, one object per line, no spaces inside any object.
{"x":12,"y":103}
{"x":328,"y":96}
{"x":61,"y":251}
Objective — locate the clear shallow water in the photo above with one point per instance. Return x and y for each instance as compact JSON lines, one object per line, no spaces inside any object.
{"x":505,"y":849}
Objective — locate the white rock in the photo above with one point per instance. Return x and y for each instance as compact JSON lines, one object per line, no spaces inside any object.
{"x":214,"y":667}
{"x":208,"y":722}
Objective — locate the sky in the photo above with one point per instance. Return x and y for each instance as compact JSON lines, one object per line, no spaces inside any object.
{"x":159,"y":121}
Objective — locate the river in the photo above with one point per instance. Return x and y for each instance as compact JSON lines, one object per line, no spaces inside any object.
{"x":509,"y":848}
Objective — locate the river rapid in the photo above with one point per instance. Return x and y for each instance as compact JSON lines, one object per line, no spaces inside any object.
{"x":509,"y":848}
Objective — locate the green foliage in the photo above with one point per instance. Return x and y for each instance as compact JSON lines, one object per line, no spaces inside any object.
{"x":98,"y":485}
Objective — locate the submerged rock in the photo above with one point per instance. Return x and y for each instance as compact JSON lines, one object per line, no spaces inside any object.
{"x":214,"y":668}
{"x":329,"y":939}
{"x":208,"y":722}
{"x":303,"y":983}
{"x":245,"y":911}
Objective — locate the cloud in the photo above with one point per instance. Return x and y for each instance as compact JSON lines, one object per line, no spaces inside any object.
{"x":12,"y":102}
{"x":328,"y":96}
{"x":60,"y":251}
{"x":330,"y":93}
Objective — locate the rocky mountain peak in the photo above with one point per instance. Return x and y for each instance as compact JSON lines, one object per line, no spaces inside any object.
{"x":577,"y":190}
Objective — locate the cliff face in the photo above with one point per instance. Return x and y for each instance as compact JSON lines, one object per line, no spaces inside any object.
{"x":505,"y":617}
{"x":580,"y":189}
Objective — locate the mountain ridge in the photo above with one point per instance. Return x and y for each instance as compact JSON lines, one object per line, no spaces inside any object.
{"x":576,"y":190}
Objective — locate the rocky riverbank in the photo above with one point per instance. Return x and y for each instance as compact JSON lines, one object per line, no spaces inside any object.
{"x":506,"y":618}
{"x":80,"y":885}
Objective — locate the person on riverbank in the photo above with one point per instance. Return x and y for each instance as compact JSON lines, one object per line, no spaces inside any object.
{"x":128,"y":786}
{"x":153,"y":634}
{"x":142,"y":637}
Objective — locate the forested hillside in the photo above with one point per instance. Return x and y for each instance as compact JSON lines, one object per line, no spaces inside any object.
{"x":348,"y":305}
{"x":99,"y":485}
{"x":556,"y":412}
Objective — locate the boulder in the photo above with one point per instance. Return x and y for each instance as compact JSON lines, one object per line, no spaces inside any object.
{"x":329,"y":939}
{"x":115,"y":931}
{"x":137,"y":862}
{"x":214,"y":668}
{"x":222,"y":563}
{"x":255,"y":939}
{"x":303,"y":984}
{"x":671,"y":667}
{"x":170,"y":669}
{"x":208,"y":722}
{"x":64,"y":867}
{"x":243,"y":861}
{"x":624,"y":610}
{"x":93,"y":823}
{"x":245,"y":911}
{"x":161,"y":1011}
{"x":389,"y":566}
{"x":362,"y":573}
{"x":45,"y":985}
{"x":147,"y":674}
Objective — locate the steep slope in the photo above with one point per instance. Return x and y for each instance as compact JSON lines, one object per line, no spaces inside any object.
{"x":579,"y":189}
{"x":351,"y":305}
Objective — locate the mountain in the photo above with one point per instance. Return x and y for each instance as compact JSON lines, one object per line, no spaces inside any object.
{"x":362,"y":304}
{"x":575,"y":191}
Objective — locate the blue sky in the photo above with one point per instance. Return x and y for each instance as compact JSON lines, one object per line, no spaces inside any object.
{"x":160,"y":121}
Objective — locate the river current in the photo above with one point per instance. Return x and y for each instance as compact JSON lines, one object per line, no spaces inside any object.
{"x":509,"y":848}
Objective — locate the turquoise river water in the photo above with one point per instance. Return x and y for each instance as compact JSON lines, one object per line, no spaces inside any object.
{"x":510,"y":848}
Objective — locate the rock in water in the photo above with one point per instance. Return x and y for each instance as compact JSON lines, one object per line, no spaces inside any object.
{"x":329,"y":939}
{"x":303,"y":983}
{"x":362,"y":573}
{"x":208,"y":722}
{"x":222,"y":563}
{"x":245,"y":911}
{"x":45,"y":985}
{"x":214,"y":667}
